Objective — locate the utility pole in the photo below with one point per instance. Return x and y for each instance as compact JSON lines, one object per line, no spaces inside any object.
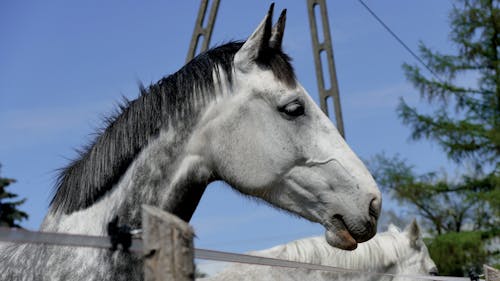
{"x":200,"y":32}
{"x":325,"y":47}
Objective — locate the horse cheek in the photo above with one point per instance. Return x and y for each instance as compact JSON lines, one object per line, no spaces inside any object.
{"x":239,"y":158}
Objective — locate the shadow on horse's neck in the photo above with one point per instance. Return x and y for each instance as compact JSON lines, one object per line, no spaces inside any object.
{"x":167,"y":173}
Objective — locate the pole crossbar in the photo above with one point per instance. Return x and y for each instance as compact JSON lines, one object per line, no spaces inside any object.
{"x":74,"y":240}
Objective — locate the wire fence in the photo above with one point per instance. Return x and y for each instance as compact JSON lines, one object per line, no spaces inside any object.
{"x":11,"y":235}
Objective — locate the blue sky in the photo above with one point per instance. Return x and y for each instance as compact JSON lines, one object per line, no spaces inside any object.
{"x":65,"y":64}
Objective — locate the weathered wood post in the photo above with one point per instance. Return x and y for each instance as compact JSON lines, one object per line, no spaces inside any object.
{"x":491,"y":274}
{"x":168,"y":246}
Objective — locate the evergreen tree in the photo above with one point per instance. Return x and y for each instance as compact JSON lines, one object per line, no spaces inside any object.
{"x":9,"y":214}
{"x":446,"y":205}
{"x":465,"y":123}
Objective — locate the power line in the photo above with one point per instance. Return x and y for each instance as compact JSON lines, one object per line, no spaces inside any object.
{"x":400,"y":41}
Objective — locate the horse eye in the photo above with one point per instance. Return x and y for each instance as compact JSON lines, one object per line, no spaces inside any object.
{"x":293,"y":109}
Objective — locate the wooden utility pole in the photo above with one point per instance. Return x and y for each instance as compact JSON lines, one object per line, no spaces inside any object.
{"x":168,"y":246}
{"x":325,"y":47}
{"x":491,"y":274}
{"x":200,"y":32}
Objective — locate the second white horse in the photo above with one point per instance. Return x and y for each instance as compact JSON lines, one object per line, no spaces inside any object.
{"x":394,"y":252}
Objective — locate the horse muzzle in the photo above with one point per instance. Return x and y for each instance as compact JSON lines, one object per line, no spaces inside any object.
{"x":345,"y":233}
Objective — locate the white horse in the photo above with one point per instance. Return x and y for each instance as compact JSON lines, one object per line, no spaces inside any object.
{"x":235,"y":113}
{"x":392,"y":252}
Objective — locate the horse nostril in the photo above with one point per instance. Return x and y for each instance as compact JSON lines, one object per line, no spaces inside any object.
{"x":375,"y":206}
{"x":433,"y":271}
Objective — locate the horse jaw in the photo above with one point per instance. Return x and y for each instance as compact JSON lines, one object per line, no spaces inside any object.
{"x":334,"y":197}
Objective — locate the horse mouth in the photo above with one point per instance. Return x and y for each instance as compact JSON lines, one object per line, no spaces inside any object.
{"x":338,"y":235}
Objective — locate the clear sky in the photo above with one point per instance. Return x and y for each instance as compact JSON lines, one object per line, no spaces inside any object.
{"x":65,"y":64}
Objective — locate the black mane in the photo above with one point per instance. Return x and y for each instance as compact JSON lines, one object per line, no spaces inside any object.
{"x":100,"y":164}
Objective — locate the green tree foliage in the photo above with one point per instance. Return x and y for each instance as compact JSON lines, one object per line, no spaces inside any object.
{"x":458,"y":253}
{"x":9,"y":213}
{"x":446,"y":204}
{"x":464,"y":121}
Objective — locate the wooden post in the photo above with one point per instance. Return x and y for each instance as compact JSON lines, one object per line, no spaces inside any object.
{"x":325,"y":47}
{"x":168,"y":246}
{"x":491,"y":274}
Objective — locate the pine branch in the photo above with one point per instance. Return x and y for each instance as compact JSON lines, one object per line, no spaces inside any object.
{"x":459,"y":138}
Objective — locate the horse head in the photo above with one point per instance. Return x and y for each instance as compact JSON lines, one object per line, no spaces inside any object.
{"x":269,"y":139}
{"x":415,"y":260}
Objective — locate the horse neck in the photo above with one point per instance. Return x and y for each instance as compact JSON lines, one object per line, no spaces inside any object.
{"x":164,"y":175}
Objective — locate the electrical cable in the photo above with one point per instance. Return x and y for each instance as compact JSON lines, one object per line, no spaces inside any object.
{"x":400,"y":41}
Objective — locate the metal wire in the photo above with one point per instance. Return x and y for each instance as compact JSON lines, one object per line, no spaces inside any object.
{"x":12,"y":235}
{"x":401,"y":41}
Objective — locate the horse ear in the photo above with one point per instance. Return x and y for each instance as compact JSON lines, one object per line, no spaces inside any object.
{"x":278,"y":31}
{"x":257,"y":43}
{"x":413,"y":232}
